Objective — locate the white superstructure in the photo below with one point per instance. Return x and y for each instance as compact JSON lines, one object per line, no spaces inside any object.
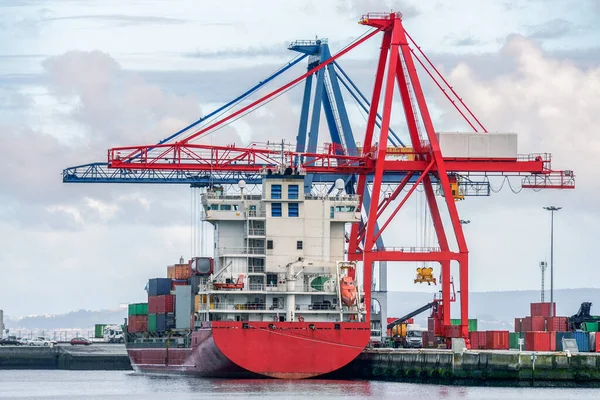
{"x":279,"y":256}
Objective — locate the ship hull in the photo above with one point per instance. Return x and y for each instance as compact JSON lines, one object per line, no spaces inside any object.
{"x":258,"y":349}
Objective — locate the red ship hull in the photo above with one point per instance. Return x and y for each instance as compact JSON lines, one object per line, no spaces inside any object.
{"x":291,"y":350}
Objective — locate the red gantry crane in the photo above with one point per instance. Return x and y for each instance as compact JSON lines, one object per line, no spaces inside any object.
{"x":420,"y":164}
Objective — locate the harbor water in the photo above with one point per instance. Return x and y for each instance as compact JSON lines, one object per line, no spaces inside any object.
{"x":64,"y":385}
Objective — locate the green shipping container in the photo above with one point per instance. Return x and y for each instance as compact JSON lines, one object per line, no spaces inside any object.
{"x":99,"y":331}
{"x":472,"y":324}
{"x":513,"y":340}
{"x":151,"y":322}
{"x":589,"y":326}
{"x":138,"y":309}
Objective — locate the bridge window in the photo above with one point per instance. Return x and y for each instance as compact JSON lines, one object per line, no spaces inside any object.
{"x":225,"y":207}
{"x":292,"y":192}
{"x":276,"y":209}
{"x":276,"y":191}
{"x":293,"y":210}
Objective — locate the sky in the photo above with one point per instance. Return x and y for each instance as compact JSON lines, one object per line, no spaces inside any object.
{"x":78,"y":77}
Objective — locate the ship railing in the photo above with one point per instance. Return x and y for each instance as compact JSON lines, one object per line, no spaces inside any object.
{"x":257,"y":213}
{"x":256,"y":231}
{"x":241,"y":250}
{"x":233,"y":307}
{"x":343,"y":197}
{"x":319,"y":288}
{"x":256,"y":286}
{"x":217,"y":196}
{"x":256,"y":268}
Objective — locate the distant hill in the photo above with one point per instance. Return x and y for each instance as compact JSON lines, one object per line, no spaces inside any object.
{"x":81,"y":319}
{"x":494,"y":310}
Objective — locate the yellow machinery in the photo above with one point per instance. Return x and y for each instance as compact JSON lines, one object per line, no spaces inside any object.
{"x":425,"y":274}
{"x":395,"y":151}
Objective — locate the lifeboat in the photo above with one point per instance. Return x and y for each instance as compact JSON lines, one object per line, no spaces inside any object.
{"x":348,"y":291}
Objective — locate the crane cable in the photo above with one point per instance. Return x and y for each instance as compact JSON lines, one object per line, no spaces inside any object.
{"x":274,"y":97}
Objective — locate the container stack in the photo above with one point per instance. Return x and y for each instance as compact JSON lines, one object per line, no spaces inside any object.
{"x":161,"y":305}
{"x":170,"y":300}
{"x":138,"y":317}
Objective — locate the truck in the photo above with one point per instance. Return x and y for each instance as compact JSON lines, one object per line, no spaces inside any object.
{"x":113,"y":334}
{"x":407,"y":335}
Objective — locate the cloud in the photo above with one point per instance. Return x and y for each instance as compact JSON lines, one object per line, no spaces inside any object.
{"x":356,"y":8}
{"x":467,"y":41}
{"x":121,"y":19}
{"x":551,"y":103}
{"x":552,"y":29}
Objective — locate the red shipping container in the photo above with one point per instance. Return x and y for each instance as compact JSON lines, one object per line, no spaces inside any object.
{"x":430,"y":324}
{"x":542,"y":309}
{"x":410,"y":321}
{"x":539,"y":341}
{"x":527,"y":324}
{"x":597,"y":343}
{"x":452,"y":331}
{"x":520,"y":325}
{"x":496,"y":340}
{"x":138,"y":323}
{"x":552,"y":341}
{"x":556,"y":324}
{"x":165,"y":304}
{"x":538,"y":324}
{"x":153,"y":305}
{"x":477,"y":340}
{"x":391,"y":319}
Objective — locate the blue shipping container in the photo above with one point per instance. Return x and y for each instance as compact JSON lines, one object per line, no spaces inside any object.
{"x":582,"y":339}
{"x":164,"y":322}
{"x":159,"y":286}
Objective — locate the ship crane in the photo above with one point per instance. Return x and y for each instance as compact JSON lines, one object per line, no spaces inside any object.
{"x":425,"y":166}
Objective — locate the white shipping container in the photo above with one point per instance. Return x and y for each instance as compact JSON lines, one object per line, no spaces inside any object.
{"x":477,"y":145}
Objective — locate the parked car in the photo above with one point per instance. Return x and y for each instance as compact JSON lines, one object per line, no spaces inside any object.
{"x":80,"y":340}
{"x":47,"y":339}
{"x":39,"y":342}
{"x":10,"y":341}
{"x":24,"y":341}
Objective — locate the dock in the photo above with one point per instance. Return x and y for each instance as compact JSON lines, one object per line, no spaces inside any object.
{"x":434,"y":366}
{"x":476,"y":367}
{"x":64,"y":356}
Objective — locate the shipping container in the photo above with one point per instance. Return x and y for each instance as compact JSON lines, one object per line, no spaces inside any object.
{"x":151,"y":322}
{"x":391,"y":319}
{"x":582,"y":339}
{"x":589,"y":326}
{"x":429,"y":340}
{"x":452,"y":331}
{"x":513,"y":340}
{"x":99,"y":331}
{"x":472,"y":324}
{"x":138,"y":309}
{"x":541,"y":309}
{"x":137,"y":323}
{"x":179,"y":271}
{"x":527,"y":324}
{"x":159,"y":286}
{"x":477,"y":340}
{"x":496,"y":340}
{"x":592,"y":341}
{"x":538,"y":341}
{"x":597,"y":343}
{"x":165,"y":321}
{"x":183,"y":306}
{"x":152,"y":304}
{"x":556,"y":324}
{"x":165,"y":304}
{"x":538,"y":324}
{"x":478,"y":145}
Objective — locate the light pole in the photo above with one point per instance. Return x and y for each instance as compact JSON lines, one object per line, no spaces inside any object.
{"x":552,"y":209}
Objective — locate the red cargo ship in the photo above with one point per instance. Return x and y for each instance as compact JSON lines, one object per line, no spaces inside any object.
{"x":276,"y":300}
